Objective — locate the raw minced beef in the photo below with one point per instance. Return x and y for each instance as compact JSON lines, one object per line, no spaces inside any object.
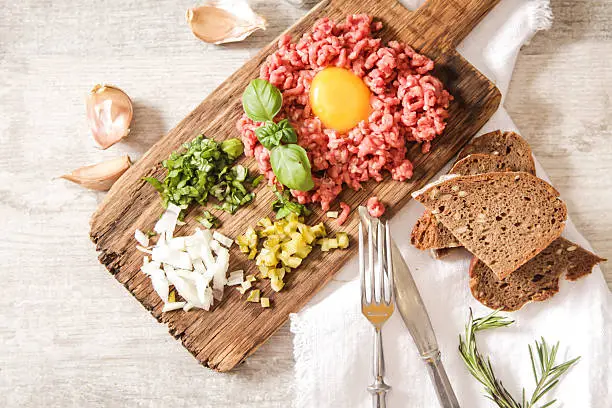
{"x":409,"y":105}
{"x":375,"y":208}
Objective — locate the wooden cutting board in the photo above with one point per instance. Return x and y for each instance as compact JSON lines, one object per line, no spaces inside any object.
{"x":222,"y":338}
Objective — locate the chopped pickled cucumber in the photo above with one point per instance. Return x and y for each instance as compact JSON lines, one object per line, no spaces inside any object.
{"x":276,"y":273}
{"x":277,"y":285}
{"x":293,"y":262}
{"x":265,"y":222}
{"x":332,"y":243}
{"x":324,"y":242}
{"x":307,"y":233}
{"x":319,"y":230}
{"x":266,"y":232}
{"x":343,"y":240}
{"x":253,"y":296}
{"x":279,"y":247}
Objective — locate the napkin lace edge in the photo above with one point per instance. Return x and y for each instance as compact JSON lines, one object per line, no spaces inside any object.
{"x":540,"y":15}
{"x":302,"y":356}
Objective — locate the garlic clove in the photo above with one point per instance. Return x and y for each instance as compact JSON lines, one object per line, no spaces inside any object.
{"x":101,"y":176}
{"x":109,"y":114}
{"x":224,"y":21}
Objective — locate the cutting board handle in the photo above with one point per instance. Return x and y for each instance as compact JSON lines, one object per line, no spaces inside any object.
{"x":450,"y":21}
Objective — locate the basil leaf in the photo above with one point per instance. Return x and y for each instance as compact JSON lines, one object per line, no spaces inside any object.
{"x":288,"y":132}
{"x":261,"y":100}
{"x":291,"y":166}
{"x":282,"y":213}
{"x":269,"y":135}
{"x":272,"y":134}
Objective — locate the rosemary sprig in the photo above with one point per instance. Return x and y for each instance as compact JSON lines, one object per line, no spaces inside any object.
{"x":546,"y":373}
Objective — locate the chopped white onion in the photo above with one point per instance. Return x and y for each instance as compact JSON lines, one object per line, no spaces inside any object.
{"x":177,"y":243}
{"x":207,"y":256}
{"x":215,"y":246}
{"x":234,"y":281}
{"x":198,"y":266}
{"x":332,"y":214}
{"x":223,"y":240}
{"x":170,"y":306}
{"x":160,"y":284}
{"x":142,"y":238}
{"x":186,"y":274}
{"x":184,"y":287}
{"x":143,"y":249}
{"x":167,"y":222}
{"x":195,"y":265}
{"x":174,"y":257}
{"x":236,"y":274}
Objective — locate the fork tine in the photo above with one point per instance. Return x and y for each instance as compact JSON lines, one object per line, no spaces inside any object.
{"x":371,"y":261}
{"x":380,"y":268}
{"x":388,"y":250}
{"x":362,"y":264}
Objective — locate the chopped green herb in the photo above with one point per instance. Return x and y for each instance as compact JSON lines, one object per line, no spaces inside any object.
{"x":257,"y":180}
{"x":283,"y":206}
{"x":150,"y":234}
{"x":203,"y":170}
{"x":208,"y":220}
{"x":233,"y":147}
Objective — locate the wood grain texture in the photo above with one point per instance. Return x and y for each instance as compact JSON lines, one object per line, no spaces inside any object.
{"x":234,"y":329}
{"x":71,"y":337}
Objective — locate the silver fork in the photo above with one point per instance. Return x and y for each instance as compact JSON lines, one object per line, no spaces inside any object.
{"x":377,"y":309}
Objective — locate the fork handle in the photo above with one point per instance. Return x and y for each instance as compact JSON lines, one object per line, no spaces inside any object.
{"x":379,"y":400}
{"x":443,"y":387}
{"x":379,"y":388}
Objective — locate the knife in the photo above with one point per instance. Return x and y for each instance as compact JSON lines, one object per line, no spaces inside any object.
{"x":413,"y":312}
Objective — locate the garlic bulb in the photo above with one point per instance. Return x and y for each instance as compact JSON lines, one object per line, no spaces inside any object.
{"x":101,"y":176}
{"x":109,"y":114}
{"x":224,"y":21}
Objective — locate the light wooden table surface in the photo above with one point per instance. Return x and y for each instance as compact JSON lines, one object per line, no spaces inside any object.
{"x":70,"y":335}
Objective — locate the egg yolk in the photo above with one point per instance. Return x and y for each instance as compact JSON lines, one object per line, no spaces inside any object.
{"x":339,"y":98}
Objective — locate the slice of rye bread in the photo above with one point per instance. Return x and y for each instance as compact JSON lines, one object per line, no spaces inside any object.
{"x":429,"y":233}
{"x":507,"y":144}
{"x":503,"y":218}
{"x":537,"y":280}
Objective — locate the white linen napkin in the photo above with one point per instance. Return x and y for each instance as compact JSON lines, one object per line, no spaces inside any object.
{"x":333,"y":341}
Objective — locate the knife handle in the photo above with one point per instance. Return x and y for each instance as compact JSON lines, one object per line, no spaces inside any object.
{"x":443,"y":387}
